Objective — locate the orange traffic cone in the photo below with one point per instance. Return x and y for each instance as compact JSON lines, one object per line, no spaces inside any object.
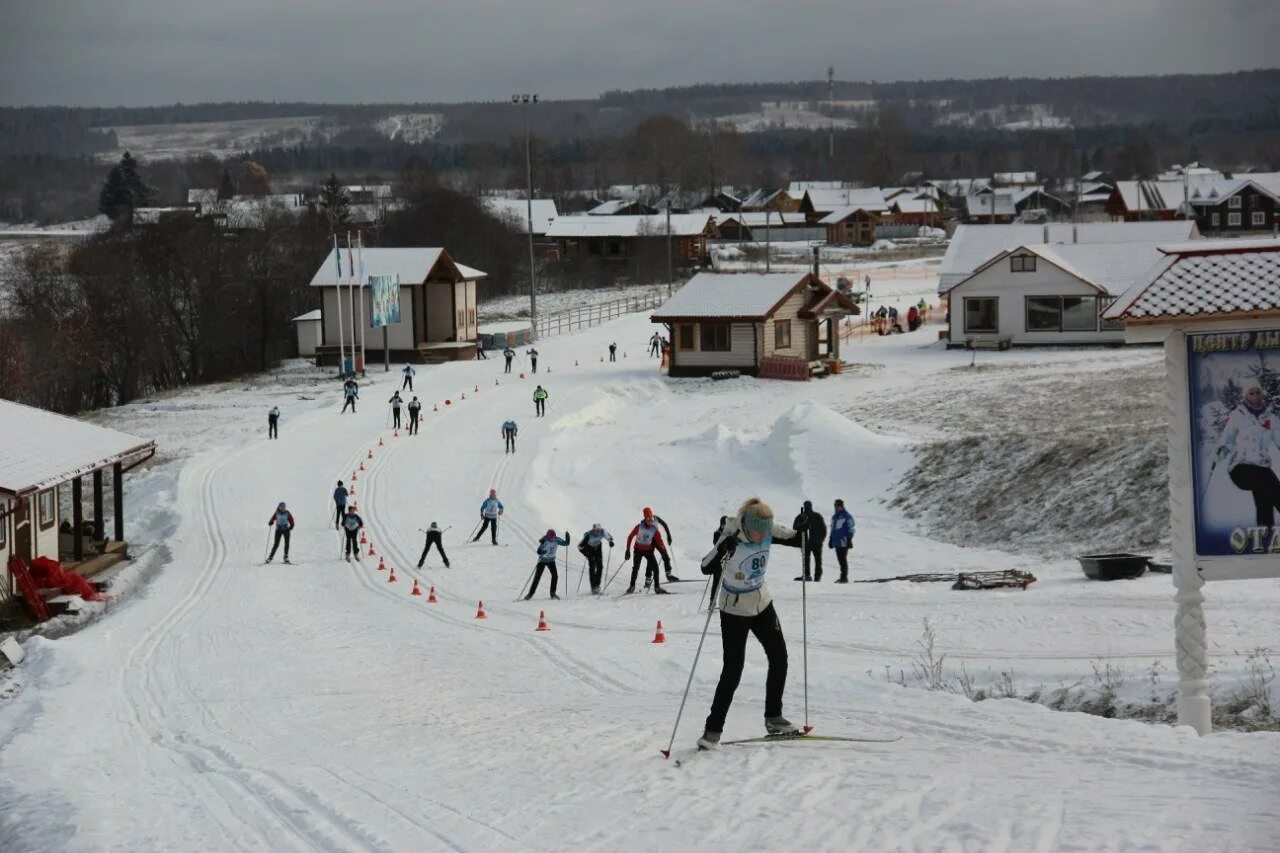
{"x":477,"y":390}
{"x":416,"y":591}
{"x":448,"y":402}
{"x":464,"y":396}
{"x":431,"y":596}
{"x":480,"y":611}
{"x":361,"y":466}
{"x":380,"y":444}
{"x":434,"y":407}
{"x":371,"y":450}
{"x":624,"y":355}
{"x":363,"y":539}
{"x":392,"y":577}
{"x":354,"y":477}
{"x":522,"y":376}
{"x":575,"y":362}
{"x":394,"y":434}
{"x":658,"y":636}
{"x":382,"y":563}
{"x":495,"y":382}
{"x":355,"y":505}
{"x":602,"y":359}
{"x":548,"y":370}
{"x":542,"y":621}
{"x":372,"y":552}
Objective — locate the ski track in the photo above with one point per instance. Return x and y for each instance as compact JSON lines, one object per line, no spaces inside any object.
{"x":320,"y":707}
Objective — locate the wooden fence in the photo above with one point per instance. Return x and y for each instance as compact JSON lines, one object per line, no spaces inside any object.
{"x":593,"y":315}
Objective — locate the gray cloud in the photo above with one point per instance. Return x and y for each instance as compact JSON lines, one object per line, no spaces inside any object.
{"x":135,"y":52}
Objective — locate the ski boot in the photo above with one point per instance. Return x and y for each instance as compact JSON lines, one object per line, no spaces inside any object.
{"x":630,"y":591}
{"x":842,"y":579}
{"x":446,"y":565}
{"x":805,"y":578}
{"x":780,"y":727}
{"x":657,"y":590}
{"x":672,"y":578}
{"x":286,"y":560}
{"x":709,"y":740}
{"x":555,"y":597}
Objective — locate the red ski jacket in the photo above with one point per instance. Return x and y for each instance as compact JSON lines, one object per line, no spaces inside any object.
{"x":654,"y":543}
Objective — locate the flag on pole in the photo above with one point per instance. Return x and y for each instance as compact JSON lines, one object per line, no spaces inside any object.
{"x":337,"y":256}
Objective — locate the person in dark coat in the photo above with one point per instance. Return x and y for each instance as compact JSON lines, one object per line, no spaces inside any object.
{"x":815,"y":536}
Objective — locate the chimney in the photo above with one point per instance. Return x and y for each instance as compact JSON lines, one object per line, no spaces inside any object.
{"x":1075,"y":233}
{"x":1046,"y":232}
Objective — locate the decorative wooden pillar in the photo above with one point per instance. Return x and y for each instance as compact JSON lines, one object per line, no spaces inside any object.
{"x":77,"y":518}
{"x":97,"y":505}
{"x":117,"y":493}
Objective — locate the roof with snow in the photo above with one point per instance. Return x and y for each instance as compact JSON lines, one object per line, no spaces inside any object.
{"x":654,"y":225}
{"x":737,"y":296}
{"x":1206,"y":279}
{"x":1014,"y":178}
{"x":1111,"y":268}
{"x":826,"y":200}
{"x":43,"y":449}
{"x":516,"y":211}
{"x":840,"y":214}
{"x":761,"y":218}
{"x":310,"y":315}
{"x":413,"y":266}
{"x":906,"y":204}
{"x":973,"y":245}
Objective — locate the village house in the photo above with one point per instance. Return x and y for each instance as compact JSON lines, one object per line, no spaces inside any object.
{"x":772,"y":325}
{"x":752,"y":225}
{"x":722,"y":200}
{"x":619,"y":238}
{"x":817,"y":204}
{"x":437,"y":307}
{"x":1242,"y":204}
{"x":515,"y":212}
{"x":622,"y":207}
{"x":779,"y":201}
{"x":852,"y":226}
{"x":44,"y":465}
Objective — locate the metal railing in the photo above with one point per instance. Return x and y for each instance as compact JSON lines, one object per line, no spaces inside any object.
{"x":593,"y":315}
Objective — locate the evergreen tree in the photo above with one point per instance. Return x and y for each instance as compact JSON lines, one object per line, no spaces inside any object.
{"x":226,"y":186}
{"x":124,"y":189}
{"x":335,"y":203}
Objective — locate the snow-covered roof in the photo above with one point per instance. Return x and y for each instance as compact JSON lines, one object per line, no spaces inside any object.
{"x":43,"y":449}
{"x":310,"y":315}
{"x":729,"y":295}
{"x":973,"y":245}
{"x":653,"y":225}
{"x":840,"y":214}
{"x":1111,"y":268}
{"x":990,"y":204}
{"x":412,"y":265}
{"x":960,"y":186}
{"x":761,"y":218}
{"x":375,"y":190}
{"x":1205,"y":279}
{"x":760,"y":198}
{"x":1014,"y":178}
{"x":516,"y":211}
{"x":201,"y":196}
{"x":799,"y":188}
{"x":827,"y":200}
{"x":906,"y":204}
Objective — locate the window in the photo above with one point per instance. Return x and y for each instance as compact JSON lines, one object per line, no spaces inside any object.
{"x":1233,"y":219}
{"x":1079,"y":313}
{"x":1108,"y":325}
{"x":4,"y":527}
{"x":715,"y":337}
{"x":1044,"y":314}
{"x":1259,"y":217}
{"x":1255,"y":201}
{"x":684,"y":336}
{"x":48,"y":509}
{"x":1234,"y":202}
{"x":1216,"y":219}
{"x":981,"y":314}
{"x":782,"y":334}
{"x":1022,"y":263}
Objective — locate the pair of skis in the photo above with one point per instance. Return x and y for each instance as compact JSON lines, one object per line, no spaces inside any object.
{"x":798,"y":737}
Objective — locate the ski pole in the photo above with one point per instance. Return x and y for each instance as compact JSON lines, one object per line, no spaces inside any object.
{"x":666,"y":753}
{"x":267,"y":548}
{"x":804,"y":622}
{"x":581,"y":574}
{"x":526,"y":584}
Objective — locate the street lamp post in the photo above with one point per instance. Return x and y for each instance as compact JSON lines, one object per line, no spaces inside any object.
{"x":527,"y":99}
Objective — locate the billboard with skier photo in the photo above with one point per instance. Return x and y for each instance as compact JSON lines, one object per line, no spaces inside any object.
{"x":1234,"y":382}
{"x":385,"y":293}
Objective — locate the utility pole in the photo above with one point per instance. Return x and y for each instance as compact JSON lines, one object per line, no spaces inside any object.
{"x":670,"y":273}
{"x":831,"y":112}
{"x":527,"y":99}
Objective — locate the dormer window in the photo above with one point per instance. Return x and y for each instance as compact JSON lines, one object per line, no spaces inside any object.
{"x":1022,"y":263}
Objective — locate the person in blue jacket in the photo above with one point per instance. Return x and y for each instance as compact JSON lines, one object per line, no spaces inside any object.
{"x":340,"y":500}
{"x":490,"y":510}
{"x":547,"y":548}
{"x":841,"y":538}
{"x":509,"y":431}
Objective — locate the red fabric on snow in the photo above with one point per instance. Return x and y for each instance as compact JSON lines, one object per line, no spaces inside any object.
{"x":49,"y":573}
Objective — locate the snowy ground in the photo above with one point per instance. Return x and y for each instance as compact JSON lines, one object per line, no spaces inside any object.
{"x":228,"y":705}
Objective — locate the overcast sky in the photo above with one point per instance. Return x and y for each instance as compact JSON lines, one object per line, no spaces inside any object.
{"x":137,"y":52}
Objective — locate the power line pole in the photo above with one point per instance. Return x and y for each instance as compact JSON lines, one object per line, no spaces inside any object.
{"x":527,"y":99}
{"x":831,"y":112}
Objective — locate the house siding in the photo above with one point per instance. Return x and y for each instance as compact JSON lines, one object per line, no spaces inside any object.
{"x":1251,"y":201}
{"x":802,"y":332}
{"x":742,"y":351}
{"x":1012,"y":289}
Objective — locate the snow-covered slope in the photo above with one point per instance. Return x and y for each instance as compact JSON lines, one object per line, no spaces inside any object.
{"x":232,"y":705}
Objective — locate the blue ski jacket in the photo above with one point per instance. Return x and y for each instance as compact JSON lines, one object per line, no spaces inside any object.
{"x":842,"y":527}
{"x":491,"y":508}
{"x":340,"y":496}
{"x":547,"y":548}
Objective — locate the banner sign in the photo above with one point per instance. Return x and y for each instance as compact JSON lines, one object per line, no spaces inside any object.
{"x":1234,"y":384}
{"x":385,"y":290}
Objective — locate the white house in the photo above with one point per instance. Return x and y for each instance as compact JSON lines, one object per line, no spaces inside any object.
{"x":1046,"y":295}
{"x":776,"y":325}
{"x":310,"y":333}
{"x":437,"y":306}
{"x":516,"y":212}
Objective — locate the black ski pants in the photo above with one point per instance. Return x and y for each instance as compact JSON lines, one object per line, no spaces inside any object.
{"x":842,"y":557}
{"x":281,"y":533}
{"x":666,"y":559}
{"x":351,"y":546}
{"x":613,"y":355}
{"x":650,"y":570}
{"x":273,"y":428}
{"x":508,"y":370}
{"x":408,"y":383}
{"x":490,"y":524}
{"x":351,"y":401}
{"x":595,"y":564}
{"x":537,"y":576}
{"x":395,"y":416}
{"x":533,"y":360}
{"x":480,"y":354}
{"x":413,"y":422}
{"x":539,"y":408}
{"x":511,"y":441}
{"x":733,"y":636}
{"x":814,"y":550}
{"x":1265,"y":487}
{"x":437,"y":540}
{"x":340,"y":511}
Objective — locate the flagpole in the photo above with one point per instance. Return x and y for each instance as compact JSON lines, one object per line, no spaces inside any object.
{"x":342,"y":353}
{"x":351,"y":299}
{"x":363,"y":321}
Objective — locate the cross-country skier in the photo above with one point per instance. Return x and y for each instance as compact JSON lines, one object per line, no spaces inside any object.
{"x":647,"y":539}
{"x":815,"y":533}
{"x":842,"y":528}
{"x":533,"y":358}
{"x":613,"y":352}
{"x":539,"y":401}
{"x":435,"y":536}
{"x":480,"y":350}
{"x":340,"y":502}
{"x":654,"y":343}
{"x":395,"y":402}
{"x":283,"y":521}
{"x":747,"y":606}
{"x":592,"y":548}
{"x":409,"y":373}
{"x":351,"y":524}
{"x":509,"y":435}
{"x":352,"y":392}
{"x":661,"y":546}
{"x":490,"y":511}
{"x":547,"y":548}
{"x":508,"y":353}
{"x":415,"y":411}
{"x":273,"y":422}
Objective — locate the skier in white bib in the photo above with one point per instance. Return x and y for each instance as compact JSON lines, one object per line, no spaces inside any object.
{"x":746,"y":606}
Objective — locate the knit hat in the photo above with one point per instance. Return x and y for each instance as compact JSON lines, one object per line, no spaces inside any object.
{"x":808,"y":504}
{"x":756,"y":516}
{"x":1248,"y":384}
{"x":551,"y":534}
{"x":648,"y":513}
